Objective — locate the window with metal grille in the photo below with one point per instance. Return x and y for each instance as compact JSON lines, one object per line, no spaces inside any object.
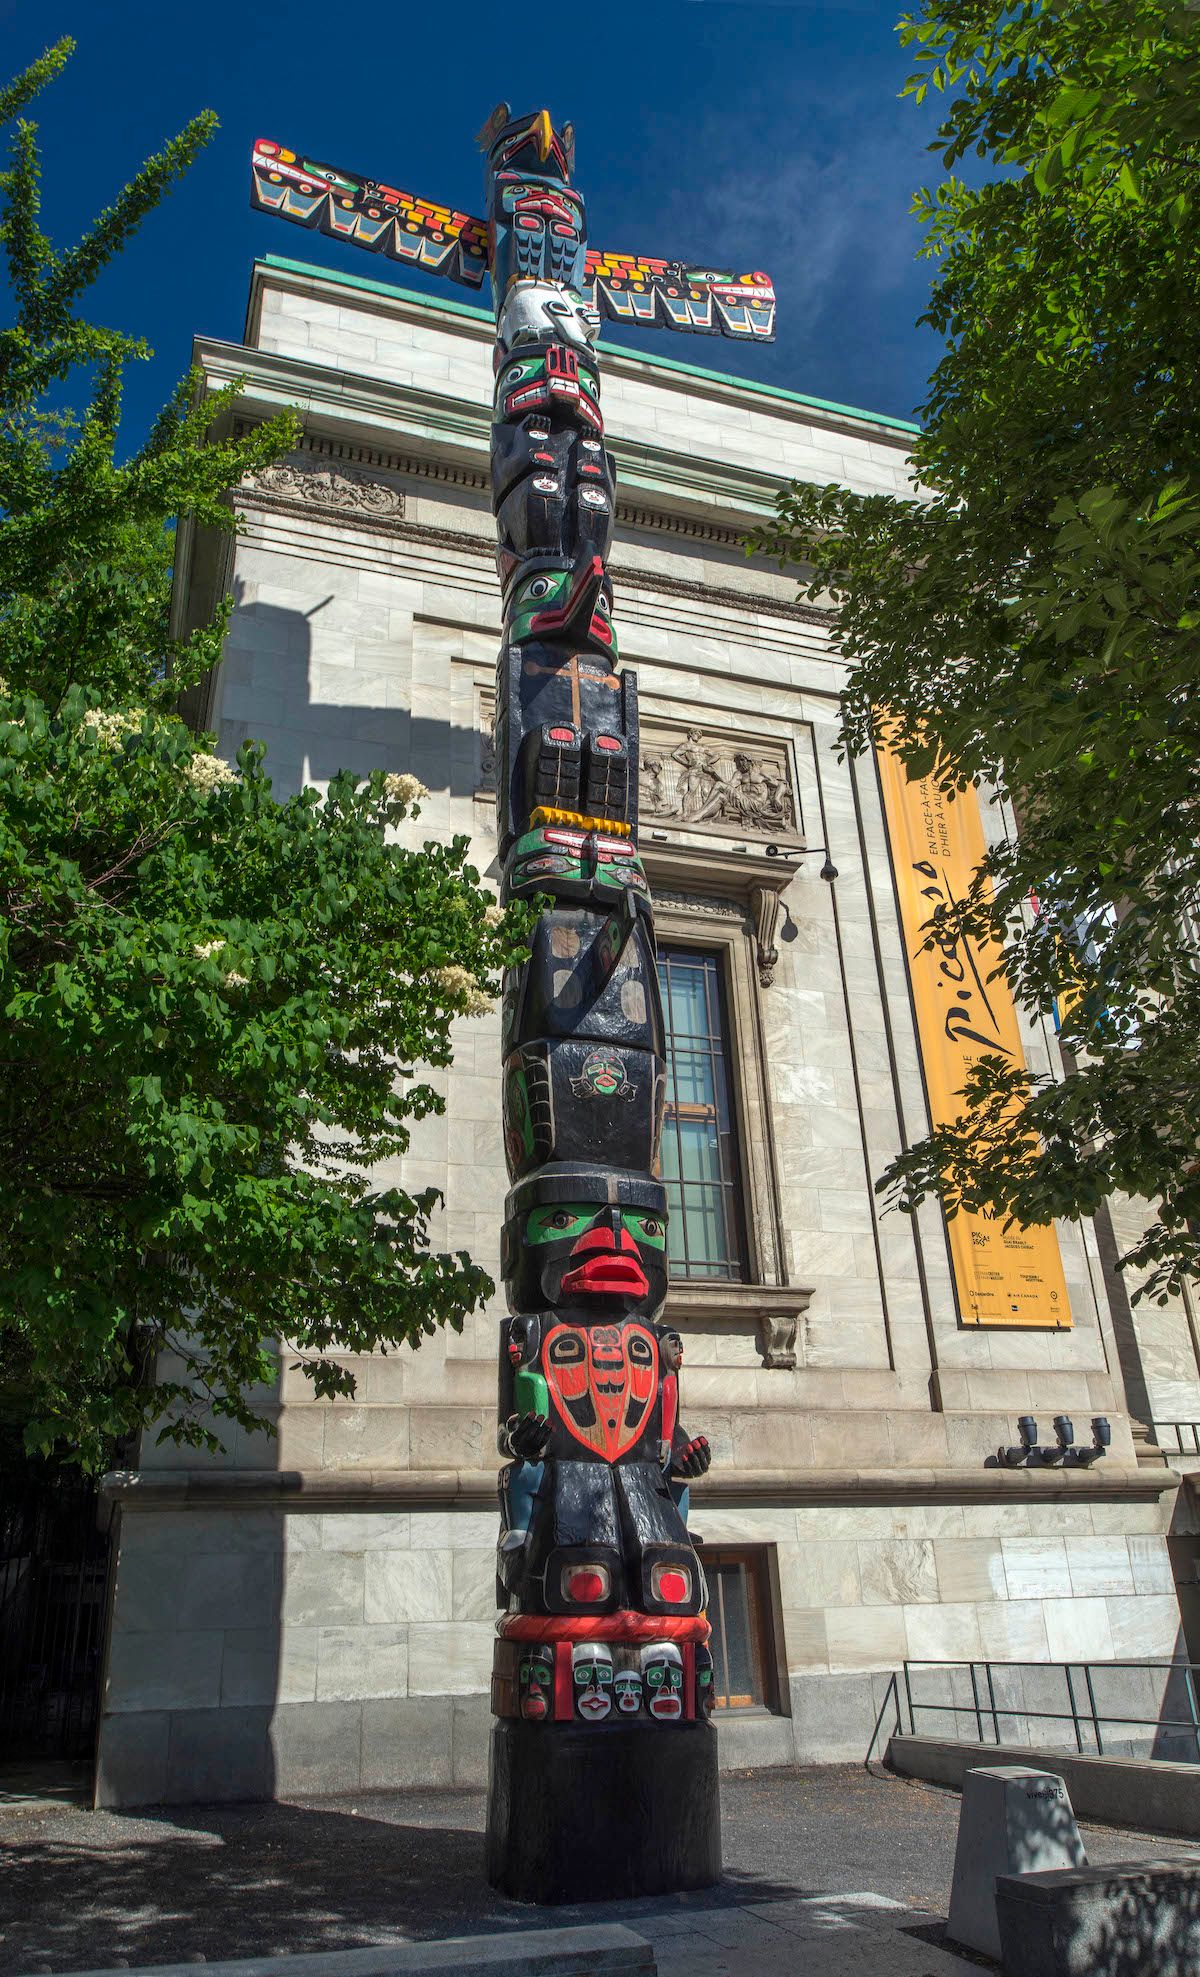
{"x":739,"y":1612}
{"x":699,"y":1152}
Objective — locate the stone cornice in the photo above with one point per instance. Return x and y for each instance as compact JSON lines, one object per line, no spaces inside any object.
{"x":475,"y":1489}
{"x":649,"y":366}
{"x":418,"y":422}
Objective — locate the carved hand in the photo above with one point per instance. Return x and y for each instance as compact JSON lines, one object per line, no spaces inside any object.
{"x":528,"y":1435}
{"x":693,"y":1459}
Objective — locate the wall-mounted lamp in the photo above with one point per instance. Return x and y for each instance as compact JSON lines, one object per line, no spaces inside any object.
{"x":1065,"y":1451}
{"x":1101,"y":1440}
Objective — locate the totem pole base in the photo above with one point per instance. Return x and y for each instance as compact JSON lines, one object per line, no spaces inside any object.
{"x":576,"y":1815}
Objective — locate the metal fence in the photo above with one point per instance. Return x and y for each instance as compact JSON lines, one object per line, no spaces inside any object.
{"x":1102,"y":1708}
{"x":1178,"y":1437}
{"x":53,"y":1587}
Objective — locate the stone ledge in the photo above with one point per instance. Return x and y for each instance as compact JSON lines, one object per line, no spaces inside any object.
{"x":1150,"y":1795}
{"x":773,"y":1310}
{"x":590,"y":1951}
{"x":430,"y":1489}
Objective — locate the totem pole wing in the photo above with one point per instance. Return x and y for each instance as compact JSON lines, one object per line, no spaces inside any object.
{"x":630,"y":288}
{"x":381,"y":218}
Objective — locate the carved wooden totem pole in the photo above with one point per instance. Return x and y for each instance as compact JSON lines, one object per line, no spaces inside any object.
{"x":603,"y":1761}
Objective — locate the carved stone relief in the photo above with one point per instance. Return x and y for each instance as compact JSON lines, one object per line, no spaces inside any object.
{"x":343,"y":488}
{"x":709,"y":779}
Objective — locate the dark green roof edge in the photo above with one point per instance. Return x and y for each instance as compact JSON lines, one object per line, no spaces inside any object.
{"x":448,"y":308}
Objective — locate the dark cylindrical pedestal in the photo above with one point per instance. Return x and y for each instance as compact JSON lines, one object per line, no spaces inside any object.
{"x":591,"y":1814}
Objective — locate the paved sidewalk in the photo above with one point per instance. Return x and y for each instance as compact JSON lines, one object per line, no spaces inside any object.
{"x":829,"y":1872}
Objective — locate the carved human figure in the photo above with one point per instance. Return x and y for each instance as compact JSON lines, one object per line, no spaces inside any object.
{"x":706,"y":1693}
{"x":535,"y":1680}
{"x":699,"y":771}
{"x":627,"y":1688}
{"x":662,"y":1680}
{"x":592,"y":1680}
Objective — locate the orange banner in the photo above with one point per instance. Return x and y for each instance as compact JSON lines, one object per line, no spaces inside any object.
{"x":1003,"y":1276}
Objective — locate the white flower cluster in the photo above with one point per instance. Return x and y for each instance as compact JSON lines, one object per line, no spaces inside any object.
{"x":404,"y":789}
{"x":111,"y":728}
{"x":208,"y":772}
{"x":207,"y":948}
{"x":234,"y":980}
{"x":493,"y":913}
{"x":461,"y":987}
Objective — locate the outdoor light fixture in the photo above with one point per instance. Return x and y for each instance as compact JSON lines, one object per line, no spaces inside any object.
{"x":1101,"y":1440}
{"x":1012,"y":1458}
{"x":1065,"y":1452}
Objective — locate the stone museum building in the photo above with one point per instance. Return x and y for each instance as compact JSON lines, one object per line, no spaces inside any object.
{"x":315,"y":1613}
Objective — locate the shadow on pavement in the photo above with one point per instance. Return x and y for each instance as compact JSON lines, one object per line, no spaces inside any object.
{"x":239,"y":1881}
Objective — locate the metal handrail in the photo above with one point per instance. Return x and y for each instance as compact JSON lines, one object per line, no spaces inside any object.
{"x":1090,"y":1715}
{"x":1186,"y":1433}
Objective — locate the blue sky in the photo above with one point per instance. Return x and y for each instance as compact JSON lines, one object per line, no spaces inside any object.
{"x":765,"y":133}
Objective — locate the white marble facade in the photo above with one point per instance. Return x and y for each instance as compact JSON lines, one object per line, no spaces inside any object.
{"x":315,"y":1613}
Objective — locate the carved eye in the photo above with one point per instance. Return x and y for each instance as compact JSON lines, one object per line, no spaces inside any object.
{"x":604,"y":607}
{"x":560,"y":1219}
{"x":539,"y":587}
{"x":651,"y":1226}
{"x":566,"y":1350}
{"x":640,"y":1351}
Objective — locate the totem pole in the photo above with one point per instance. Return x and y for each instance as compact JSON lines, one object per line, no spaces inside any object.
{"x":603,"y":1778}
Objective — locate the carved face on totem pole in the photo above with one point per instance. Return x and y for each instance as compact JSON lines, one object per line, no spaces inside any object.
{"x":545,"y":311}
{"x":554,"y":604}
{"x":556,"y":376}
{"x":662,"y":1678}
{"x":535,"y":1680}
{"x":567,"y":1246}
{"x":627,"y":1689}
{"x":592,"y":1680}
{"x":670,"y":1345}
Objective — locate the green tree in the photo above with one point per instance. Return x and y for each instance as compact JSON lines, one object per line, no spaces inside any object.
{"x":1032,"y":624}
{"x":216,"y":1005}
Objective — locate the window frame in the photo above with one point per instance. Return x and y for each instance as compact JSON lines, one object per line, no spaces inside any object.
{"x":733,"y":1192}
{"x":756,"y":1563}
{"x":723,"y":927}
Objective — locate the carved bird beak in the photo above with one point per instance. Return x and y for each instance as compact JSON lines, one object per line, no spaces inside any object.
{"x":545,"y":133}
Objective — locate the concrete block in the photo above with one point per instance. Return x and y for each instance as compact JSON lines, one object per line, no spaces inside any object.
{"x":832,"y":1717}
{"x":450,"y":1660}
{"x":1143,"y":1916}
{"x":219,"y":1755}
{"x":408,"y":1585}
{"x":162,"y":1591}
{"x":898,"y":1574}
{"x":1011,"y":1821}
{"x":407,"y":1741}
{"x":354,"y":1663}
{"x":865,"y":1636}
{"x":269,"y":1664}
{"x":1036,"y":1568}
{"x":131,"y":1759}
{"x":316,"y":1747}
{"x":323,"y":1588}
{"x":164,"y":1670}
{"x":470,"y":1730}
